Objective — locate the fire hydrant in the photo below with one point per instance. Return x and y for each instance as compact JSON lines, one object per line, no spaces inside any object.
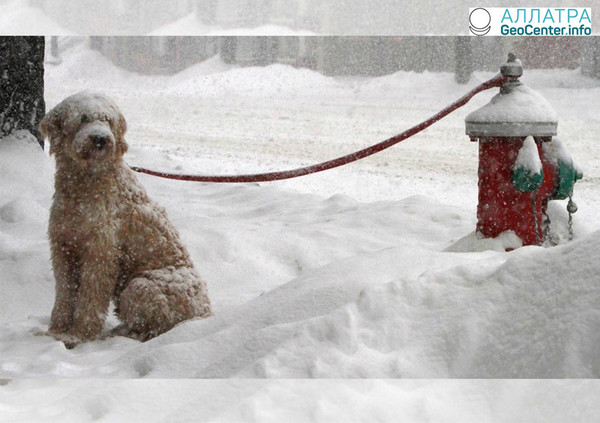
{"x":521,"y":166}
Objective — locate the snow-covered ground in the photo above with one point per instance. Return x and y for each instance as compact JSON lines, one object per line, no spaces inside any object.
{"x":300,"y":401}
{"x":339,"y":274}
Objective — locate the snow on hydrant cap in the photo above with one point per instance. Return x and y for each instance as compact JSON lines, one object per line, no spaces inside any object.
{"x":517,"y":111}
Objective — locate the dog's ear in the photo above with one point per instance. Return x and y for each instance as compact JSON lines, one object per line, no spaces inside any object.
{"x":121,"y":129}
{"x":50,"y":127}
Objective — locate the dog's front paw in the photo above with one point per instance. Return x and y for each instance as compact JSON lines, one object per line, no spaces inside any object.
{"x":70,"y":341}
{"x":122,"y":330}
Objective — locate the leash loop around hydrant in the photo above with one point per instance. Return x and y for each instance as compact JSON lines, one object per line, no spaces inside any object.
{"x":496,"y":81}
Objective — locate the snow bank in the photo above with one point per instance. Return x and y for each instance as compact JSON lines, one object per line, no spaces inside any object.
{"x":211,"y":79}
{"x":571,"y":79}
{"x":191,"y":25}
{"x":211,"y":65}
{"x":273,"y":80}
{"x":533,"y":317}
{"x":77,"y":73}
{"x":26,"y":178}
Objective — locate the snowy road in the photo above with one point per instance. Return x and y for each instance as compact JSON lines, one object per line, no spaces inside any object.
{"x":277,"y":118}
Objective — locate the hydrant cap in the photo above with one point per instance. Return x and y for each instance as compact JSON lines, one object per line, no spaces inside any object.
{"x":513,"y":67}
{"x":517,"y":113}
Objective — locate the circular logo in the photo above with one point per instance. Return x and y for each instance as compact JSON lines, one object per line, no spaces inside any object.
{"x":480,"y":20}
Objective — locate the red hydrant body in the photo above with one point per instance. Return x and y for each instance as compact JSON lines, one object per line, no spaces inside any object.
{"x":521,"y":168}
{"x":501,"y":207}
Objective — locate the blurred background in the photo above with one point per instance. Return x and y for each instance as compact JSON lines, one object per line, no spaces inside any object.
{"x":344,"y":56}
{"x":254,"y":17}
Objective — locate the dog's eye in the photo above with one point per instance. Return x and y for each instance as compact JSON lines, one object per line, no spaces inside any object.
{"x":85,"y":118}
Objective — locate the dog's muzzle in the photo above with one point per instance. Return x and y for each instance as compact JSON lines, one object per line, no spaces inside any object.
{"x":99,"y":141}
{"x":94,"y":141}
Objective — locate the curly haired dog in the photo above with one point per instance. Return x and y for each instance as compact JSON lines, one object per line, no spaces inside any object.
{"x":108,"y":239}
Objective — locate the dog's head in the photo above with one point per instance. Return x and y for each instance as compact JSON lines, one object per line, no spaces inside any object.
{"x":86,"y":127}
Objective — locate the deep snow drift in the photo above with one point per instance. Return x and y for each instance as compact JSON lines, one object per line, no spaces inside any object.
{"x":343,"y":274}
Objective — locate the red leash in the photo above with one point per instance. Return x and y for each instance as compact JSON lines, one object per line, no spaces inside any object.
{"x":496,"y":81}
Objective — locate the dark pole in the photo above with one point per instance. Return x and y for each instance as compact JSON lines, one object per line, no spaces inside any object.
{"x":464,"y":59}
{"x":22,"y":105}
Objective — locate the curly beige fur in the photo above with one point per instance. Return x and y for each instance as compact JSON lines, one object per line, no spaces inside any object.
{"x":108,"y":239}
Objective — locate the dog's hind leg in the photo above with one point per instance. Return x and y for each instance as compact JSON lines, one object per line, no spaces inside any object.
{"x":156,"y":300}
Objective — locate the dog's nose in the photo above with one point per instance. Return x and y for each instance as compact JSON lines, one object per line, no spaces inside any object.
{"x":99,"y":141}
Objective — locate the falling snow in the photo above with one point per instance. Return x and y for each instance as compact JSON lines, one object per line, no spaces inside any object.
{"x":346,"y":274}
